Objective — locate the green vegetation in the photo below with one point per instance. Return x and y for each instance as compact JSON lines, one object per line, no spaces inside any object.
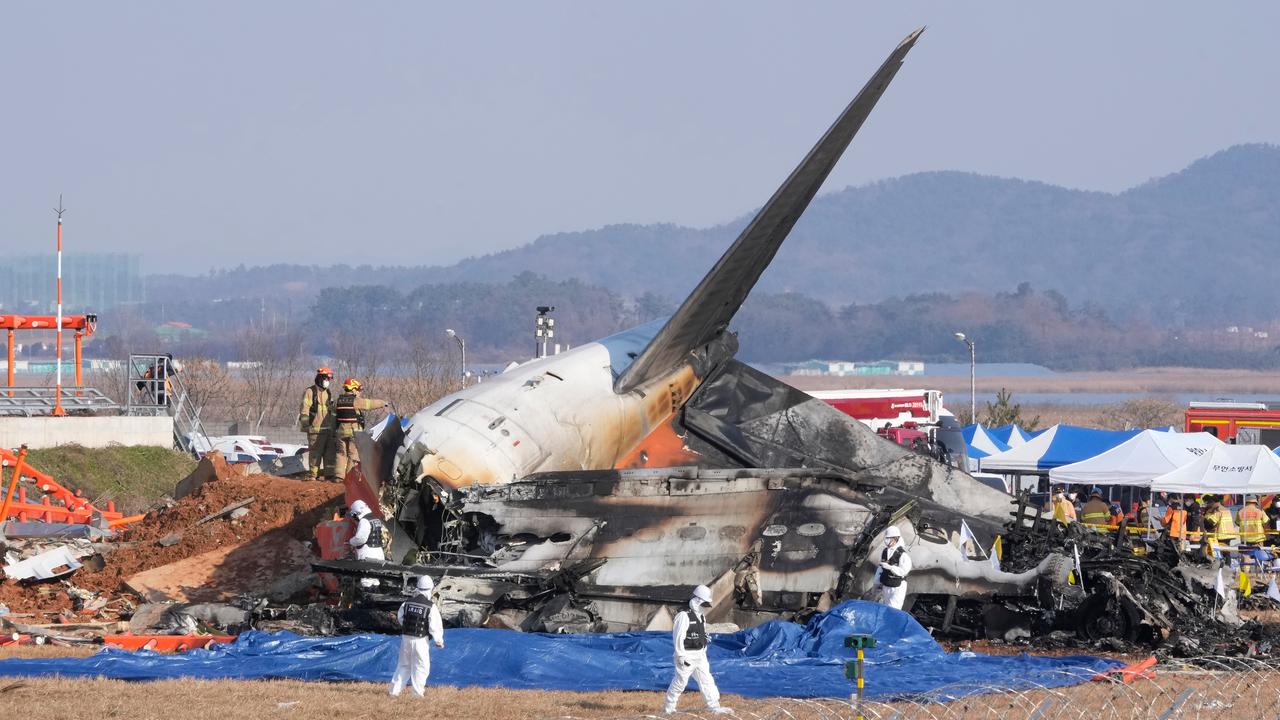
{"x":134,"y":476}
{"x":1005,"y":412}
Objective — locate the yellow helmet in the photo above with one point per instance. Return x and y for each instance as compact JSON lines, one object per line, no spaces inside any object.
{"x":351,"y":385}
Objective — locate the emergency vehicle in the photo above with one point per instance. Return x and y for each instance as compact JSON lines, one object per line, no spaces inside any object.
{"x":1225,"y":420}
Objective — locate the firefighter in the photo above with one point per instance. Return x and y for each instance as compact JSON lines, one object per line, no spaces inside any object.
{"x":1219,"y":526}
{"x":1096,"y":512}
{"x":690,"y":638}
{"x":419,"y":621}
{"x":1253,"y":522}
{"x":1062,"y":509}
{"x":346,"y":419}
{"x":312,"y":420}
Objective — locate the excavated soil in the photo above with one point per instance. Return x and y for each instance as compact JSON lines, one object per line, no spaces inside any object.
{"x":294,"y":506}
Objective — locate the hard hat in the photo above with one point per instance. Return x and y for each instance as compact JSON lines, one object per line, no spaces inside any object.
{"x":359,"y":508}
{"x":323,"y":370}
{"x":892,"y":532}
{"x":351,"y":385}
{"x":1115,"y":507}
{"x":1095,"y":491}
{"x":425,"y":584}
{"x":702,"y":594}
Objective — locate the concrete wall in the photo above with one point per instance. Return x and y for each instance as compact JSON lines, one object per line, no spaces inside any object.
{"x":43,"y":432}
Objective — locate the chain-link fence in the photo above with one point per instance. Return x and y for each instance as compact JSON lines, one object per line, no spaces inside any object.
{"x":1211,"y":688}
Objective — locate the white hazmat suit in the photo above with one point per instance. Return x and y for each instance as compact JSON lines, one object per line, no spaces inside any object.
{"x":359,"y":542}
{"x":891,"y":575}
{"x":689,"y":637}
{"x":420,"y":620}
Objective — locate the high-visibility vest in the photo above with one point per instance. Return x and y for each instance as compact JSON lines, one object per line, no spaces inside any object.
{"x":1176,"y":520}
{"x":1096,"y":512}
{"x":1063,"y":511}
{"x":1224,"y":526}
{"x":1252,"y":524}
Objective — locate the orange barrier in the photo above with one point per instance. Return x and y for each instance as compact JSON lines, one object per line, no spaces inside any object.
{"x":1129,"y":673}
{"x":166,"y":643}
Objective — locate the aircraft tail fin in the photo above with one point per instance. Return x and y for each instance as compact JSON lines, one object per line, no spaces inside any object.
{"x":712,"y":304}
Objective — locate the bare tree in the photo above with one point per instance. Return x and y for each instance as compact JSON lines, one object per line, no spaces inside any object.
{"x":1143,"y":412}
{"x":272,"y":365}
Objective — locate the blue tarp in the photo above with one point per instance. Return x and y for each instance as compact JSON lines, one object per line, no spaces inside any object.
{"x":777,"y":659}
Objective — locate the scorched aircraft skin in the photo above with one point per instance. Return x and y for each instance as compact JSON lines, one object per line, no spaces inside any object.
{"x":616,"y":475}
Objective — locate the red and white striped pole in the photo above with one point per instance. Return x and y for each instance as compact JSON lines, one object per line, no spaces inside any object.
{"x":57,"y":392}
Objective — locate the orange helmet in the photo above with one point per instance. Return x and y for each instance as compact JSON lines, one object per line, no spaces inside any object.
{"x":324,"y":371}
{"x":351,"y":385}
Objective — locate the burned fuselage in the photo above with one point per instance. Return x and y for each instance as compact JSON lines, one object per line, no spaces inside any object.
{"x":650,"y":461}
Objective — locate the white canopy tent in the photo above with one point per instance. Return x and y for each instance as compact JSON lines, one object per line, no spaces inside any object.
{"x":1225,"y":470}
{"x":1138,"y":460}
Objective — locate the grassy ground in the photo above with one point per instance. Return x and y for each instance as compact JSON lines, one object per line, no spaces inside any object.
{"x":134,"y":477}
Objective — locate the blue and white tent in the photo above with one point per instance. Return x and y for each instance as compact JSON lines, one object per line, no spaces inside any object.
{"x":1010,"y":435}
{"x":1059,"y":445}
{"x":981,"y":443}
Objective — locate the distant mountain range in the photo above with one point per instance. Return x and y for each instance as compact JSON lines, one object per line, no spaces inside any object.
{"x":1192,"y":247}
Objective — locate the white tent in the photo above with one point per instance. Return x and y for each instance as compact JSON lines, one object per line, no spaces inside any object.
{"x":1138,"y":460}
{"x":1226,"y":469}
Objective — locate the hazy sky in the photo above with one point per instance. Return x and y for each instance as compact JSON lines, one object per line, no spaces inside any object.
{"x":419,"y":133}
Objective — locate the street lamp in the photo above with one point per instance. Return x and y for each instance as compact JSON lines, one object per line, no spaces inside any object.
{"x":973,"y":378}
{"x":462,"y":345}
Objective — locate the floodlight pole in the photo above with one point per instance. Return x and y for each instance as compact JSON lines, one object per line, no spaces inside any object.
{"x":57,"y":392}
{"x":973,"y":377}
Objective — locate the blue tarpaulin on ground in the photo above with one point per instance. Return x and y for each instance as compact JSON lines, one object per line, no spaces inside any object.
{"x":776,"y":659}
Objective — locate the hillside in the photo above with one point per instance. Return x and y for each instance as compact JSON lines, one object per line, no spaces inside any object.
{"x":1139,"y":254}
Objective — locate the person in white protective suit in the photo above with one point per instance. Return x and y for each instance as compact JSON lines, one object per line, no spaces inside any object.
{"x":420,"y":621}
{"x":895,"y":564}
{"x":689,"y":635}
{"x":369,"y":538}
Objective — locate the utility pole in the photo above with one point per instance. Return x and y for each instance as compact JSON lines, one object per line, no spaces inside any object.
{"x":57,"y":391}
{"x":973,"y":378}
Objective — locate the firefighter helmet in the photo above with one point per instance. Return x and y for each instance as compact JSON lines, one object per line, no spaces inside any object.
{"x":324,"y":370}
{"x":351,"y":385}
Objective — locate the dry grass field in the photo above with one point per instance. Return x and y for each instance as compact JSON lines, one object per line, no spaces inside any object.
{"x":1194,"y":693}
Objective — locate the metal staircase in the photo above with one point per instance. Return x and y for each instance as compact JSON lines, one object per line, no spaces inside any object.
{"x":154,"y":387}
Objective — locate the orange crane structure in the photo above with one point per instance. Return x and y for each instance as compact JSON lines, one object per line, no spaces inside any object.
{"x":83,"y":325}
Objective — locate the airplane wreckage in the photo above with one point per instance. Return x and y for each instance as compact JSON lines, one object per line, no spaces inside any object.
{"x":590,"y":490}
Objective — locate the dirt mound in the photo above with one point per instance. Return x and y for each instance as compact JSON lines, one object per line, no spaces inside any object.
{"x":294,"y":506}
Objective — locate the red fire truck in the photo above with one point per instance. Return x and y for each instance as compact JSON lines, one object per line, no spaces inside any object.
{"x":886,"y":408}
{"x":1259,"y":421}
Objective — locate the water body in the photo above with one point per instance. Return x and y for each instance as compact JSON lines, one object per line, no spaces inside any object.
{"x":1104,"y":398}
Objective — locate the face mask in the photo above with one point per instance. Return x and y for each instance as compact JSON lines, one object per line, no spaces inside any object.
{"x":325,"y":384}
{"x":888,"y":542}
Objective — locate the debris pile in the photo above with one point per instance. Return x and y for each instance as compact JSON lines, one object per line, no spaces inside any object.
{"x":231,"y":534}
